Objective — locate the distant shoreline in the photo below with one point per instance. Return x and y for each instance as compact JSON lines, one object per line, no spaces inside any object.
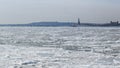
{"x":64,"y":24}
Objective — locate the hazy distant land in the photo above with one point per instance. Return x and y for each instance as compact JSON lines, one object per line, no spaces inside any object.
{"x":68,"y":24}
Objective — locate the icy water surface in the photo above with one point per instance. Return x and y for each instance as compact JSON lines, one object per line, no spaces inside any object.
{"x":59,"y":47}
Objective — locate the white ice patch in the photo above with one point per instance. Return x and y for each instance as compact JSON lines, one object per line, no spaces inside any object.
{"x":59,"y":47}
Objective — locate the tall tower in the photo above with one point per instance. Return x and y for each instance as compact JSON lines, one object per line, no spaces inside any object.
{"x":78,"y":21}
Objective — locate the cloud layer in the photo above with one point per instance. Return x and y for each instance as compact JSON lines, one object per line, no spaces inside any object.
{"x":26,"y":11}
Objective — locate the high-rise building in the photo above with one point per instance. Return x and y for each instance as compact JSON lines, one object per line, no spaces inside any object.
{"x":78,"y":21}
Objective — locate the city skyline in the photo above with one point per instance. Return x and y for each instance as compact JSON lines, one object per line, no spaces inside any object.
{"x":27,"y":11}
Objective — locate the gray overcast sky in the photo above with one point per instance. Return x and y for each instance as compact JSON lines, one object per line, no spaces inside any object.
{"x":27,"y":11}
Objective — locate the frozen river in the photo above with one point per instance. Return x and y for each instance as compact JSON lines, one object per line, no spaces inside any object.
{"x":59,"y":47}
